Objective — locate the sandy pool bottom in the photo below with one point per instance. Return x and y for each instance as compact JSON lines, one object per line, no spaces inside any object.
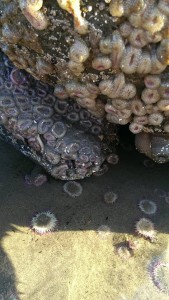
{"x":77,"y":262}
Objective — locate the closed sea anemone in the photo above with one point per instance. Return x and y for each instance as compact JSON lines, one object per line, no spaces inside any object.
{"x":40,"y":179}
{"x":116,"y":8}
{"x":75,"y":67}
{"x":44,"y":222}
{"x":60,"y":92}
{"x":110,"y":197}
{"x":59,"y":129}
{"x":101,"y":63}
{"x":32,"y":12}
{"x":72,"y":188}
{"x":145,"y":228}
{"x":106,"y":45}
{"x":130,"y":60}
{"x":79,"y":51}
{"x":104,"y":168}
{"x":148,"y":207}
{"x":103,"y":231}
{"x":155,"y":119}
{"x":112,"y":159}
{"x":135,"y":128}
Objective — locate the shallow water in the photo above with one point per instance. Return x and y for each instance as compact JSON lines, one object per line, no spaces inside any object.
{"x":80,"y":260}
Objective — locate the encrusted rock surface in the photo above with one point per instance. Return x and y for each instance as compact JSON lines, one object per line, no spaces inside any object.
{"x":58,"y":134}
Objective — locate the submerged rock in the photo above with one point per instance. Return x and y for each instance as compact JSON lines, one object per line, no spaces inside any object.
{"x":58,"y":134}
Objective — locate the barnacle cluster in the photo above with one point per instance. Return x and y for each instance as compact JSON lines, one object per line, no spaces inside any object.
{"x":70,"y":142}
{"x":110,"y":56}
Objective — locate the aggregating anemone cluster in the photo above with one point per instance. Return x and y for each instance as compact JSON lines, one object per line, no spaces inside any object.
{"x":152,"y":110}
{"x":62,"y":136}
{"x":111,"y":57}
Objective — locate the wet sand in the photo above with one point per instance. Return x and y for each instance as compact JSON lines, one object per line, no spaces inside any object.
{"x":76,"y":262}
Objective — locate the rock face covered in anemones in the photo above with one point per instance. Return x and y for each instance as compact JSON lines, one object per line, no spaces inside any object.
{"x":111,"y":56}
{"x":58,"y":134}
